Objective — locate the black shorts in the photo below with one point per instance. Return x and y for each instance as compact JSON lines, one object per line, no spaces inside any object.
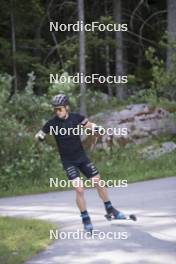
{"x":73,"y":168}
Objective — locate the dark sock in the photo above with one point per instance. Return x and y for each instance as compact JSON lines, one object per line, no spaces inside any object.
{"x":85,"y":216}
{"x":108,"y":207}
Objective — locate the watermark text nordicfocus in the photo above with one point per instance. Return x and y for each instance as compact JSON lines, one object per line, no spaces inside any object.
{"x":88,"y":79}
{"x":62,"y":183}
{"x":93,"y":26}
{"x":80,"y":131}
{"x":96,"y":234}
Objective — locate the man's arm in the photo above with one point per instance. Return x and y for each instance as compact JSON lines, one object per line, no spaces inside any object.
{"x":87,"y":124}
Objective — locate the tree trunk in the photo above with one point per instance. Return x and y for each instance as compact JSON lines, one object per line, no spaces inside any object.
{"x":171,"y":8}
{"x":107,"y":55}
{"x":119,"y":64}
{"x":82,"y":63}
{"x":13,"y":38}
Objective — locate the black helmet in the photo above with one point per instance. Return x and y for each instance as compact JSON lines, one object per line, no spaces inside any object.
{"x":60,"y":100}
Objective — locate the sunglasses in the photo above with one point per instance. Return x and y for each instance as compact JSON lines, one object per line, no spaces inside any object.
{"x":60,"y":109}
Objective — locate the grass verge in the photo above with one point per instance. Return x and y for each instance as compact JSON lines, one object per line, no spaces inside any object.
{"x":22,"y":238}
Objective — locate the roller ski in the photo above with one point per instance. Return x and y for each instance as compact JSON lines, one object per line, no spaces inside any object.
{"x":88,"y":227}
{"x":117,"y":215}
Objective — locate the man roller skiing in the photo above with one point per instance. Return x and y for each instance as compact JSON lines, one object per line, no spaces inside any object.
{"x":74,"y":158}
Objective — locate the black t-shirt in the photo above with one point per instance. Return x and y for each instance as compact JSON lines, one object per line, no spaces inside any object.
{"x":69,"y":144}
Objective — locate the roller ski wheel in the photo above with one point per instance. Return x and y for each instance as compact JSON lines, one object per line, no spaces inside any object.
{"x":116,"y":215}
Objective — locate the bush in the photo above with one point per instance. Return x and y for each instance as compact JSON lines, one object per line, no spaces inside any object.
{"x":23,"y":160}
{"x":163,"y":83}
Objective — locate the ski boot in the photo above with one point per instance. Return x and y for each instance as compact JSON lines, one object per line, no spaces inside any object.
{"x":114,"y":214}
{"x":88,"y":227}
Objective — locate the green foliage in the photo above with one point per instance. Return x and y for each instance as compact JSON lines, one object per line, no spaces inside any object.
{"x":127,"y":163}
{"x":23,"y":160}
{"x":5,"y":85}
{"x":26,"y":107}
{"x":163,"y":83}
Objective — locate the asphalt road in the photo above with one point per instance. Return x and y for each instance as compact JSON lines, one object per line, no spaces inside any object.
{"x":150,"y":240}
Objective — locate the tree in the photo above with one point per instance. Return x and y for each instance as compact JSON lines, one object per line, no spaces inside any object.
{"x":13,"y":37}
{"x":171,"y":8}
{"x":107,"y":53}
{"x":82,"y":62}
{"x":119,"y":64}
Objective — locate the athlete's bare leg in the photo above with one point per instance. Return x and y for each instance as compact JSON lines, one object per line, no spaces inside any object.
{"x":102,"y":191}
{"x":79,"y":189}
